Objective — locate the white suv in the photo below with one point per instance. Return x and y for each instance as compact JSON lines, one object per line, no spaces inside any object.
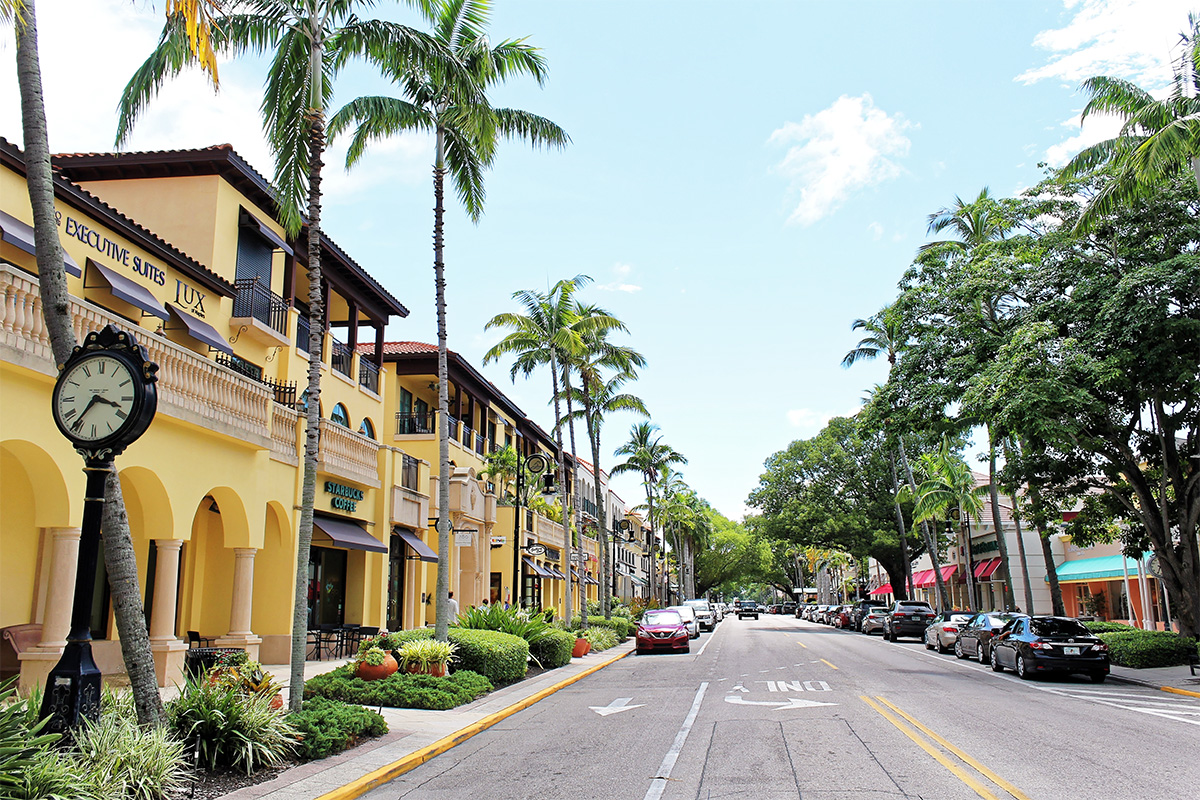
{"x":704,"y":614}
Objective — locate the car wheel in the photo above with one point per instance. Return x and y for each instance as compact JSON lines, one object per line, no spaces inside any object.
{"x":941,"y":648}
{"x":1022,"y":670}
{"x":981,"y":654}
{"x":958,"y":651}
{"x":928,"y":646}
{"x":996,"y":662}
{"x":1098,"y":677}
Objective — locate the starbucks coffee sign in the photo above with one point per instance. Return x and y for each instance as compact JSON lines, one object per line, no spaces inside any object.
{"x":345,"y":498}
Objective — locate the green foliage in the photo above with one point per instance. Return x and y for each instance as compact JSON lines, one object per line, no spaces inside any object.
{"x":424,"y":653}
{"x":1108,"y":627}
{"x":374,"y":656}
{"x":623,"y":627}
{"x":20,"y":740}
{"x":231,"y":728}
{"x":500,"y":657}
{"x":327,"y":726}
{"x":601,"y":638}
{"x":1141,"y":649}
{"x":553,"y":648}
{"x":400,"y":689}
{"x":514,"y":621}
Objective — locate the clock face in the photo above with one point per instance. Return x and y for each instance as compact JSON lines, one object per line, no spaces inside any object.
{"x":94,"y":398}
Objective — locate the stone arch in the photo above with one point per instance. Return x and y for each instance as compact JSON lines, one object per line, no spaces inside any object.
{"x":148,"y":504}
{"x":53,"y":506}
{"x":274,"y":576}
{"x":235,"y":519}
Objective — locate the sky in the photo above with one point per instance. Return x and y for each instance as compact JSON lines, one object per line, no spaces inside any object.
{"x":744,"y":180}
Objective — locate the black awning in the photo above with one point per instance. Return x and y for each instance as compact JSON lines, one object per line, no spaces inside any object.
{"x":417,"y":544}
{"x":20,"y":236}
{"x":590,"y":580}
{"x":252,"y":222}
{"x":346,"y":534}
{"x":200,"y":330}
{"x":541,"y":573}
{"x":130,"y":291}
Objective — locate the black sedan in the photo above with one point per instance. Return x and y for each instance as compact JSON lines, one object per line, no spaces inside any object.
{"x":975,"y":638}
{"x":1050,"y":644}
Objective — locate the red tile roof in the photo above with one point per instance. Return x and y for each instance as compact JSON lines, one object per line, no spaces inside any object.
{"x":398,"y":348}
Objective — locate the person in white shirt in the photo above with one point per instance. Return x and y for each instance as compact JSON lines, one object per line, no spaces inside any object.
{"x":453,"y":607}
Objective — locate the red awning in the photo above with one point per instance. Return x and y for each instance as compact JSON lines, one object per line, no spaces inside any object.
{"x":923,"y":578}
{"x":948,"y":571}
{"x":984,"y":569}
{"x":885,"y":589}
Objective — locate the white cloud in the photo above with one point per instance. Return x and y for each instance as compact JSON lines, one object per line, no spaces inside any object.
{"x":876,"y":231}
{"x":832,"y":154}
{"x":621,"y":270}
{"x":1095,"y":129}
{"x":1131,"y":39}
{"x":808,"y":420}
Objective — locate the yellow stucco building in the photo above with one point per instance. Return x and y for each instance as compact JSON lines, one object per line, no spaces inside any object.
{"x":183,"y":248}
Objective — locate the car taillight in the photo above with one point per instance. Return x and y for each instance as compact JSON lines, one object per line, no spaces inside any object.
{"x":949,"y":629}
{"x":1100,"y":647}
{"x":1040,"y":645}
{"x":899,"y":614}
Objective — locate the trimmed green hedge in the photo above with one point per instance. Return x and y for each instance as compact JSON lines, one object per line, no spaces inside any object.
{"x":500,"y":657}
{"x":623,"y":627}
{"x":553,"y":648}
{"x":1098,"y":626}
{"x":1142,"y":649}
{"x":326,"y":727}
{"x":399,"y":690}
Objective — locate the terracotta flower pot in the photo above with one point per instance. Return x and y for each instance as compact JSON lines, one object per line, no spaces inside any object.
{"x":436,"y":670}
{"x":370,"y":672}
{"x":582,"y":648}
{"x":277,"y":702}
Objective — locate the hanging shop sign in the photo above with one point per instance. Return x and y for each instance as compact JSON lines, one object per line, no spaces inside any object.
{"x":345,"y":498}
{"x":464,"y":539}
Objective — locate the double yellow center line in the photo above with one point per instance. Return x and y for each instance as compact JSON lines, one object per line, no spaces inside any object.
{"x":910,"y":730}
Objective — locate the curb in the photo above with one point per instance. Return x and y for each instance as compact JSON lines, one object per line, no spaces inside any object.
{"x":360,"y":786}
{"x":1148,"y":685}
{"x":1173,"y":690}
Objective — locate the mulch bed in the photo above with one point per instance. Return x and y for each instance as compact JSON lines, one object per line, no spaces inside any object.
{"x":211,"y":785}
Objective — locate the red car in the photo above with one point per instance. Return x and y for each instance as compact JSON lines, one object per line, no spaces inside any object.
{"x":662,"y":629}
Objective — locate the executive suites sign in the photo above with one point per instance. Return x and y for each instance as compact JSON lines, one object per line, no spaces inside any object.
{"x":186,"y":295}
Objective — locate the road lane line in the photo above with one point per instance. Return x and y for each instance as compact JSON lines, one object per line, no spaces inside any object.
{"x":802,"y":644}
{"x":958,"y":771}
{"x":980,"y":768}
{"x":658,"y":783}
{"x":831,"y":665}
{"x":700,"y":652}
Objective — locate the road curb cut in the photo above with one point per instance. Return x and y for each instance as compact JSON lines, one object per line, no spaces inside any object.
{"x":380,"y":776}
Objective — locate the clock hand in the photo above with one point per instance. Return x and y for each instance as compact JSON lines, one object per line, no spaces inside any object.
{"x":106,"y":401}
{"x":79,"y":422}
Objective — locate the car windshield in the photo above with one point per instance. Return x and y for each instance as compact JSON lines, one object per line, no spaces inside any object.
{"x":687,"y":612}
{"x":963,"y":618}
{"x":662,"y":617}
{"x":999,"y":620}
{"x":1059,"y":627}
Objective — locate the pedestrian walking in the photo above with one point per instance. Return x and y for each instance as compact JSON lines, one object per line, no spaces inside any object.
{"x":453,"y":607}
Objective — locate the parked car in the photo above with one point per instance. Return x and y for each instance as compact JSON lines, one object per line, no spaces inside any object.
{"x":689,"y":618}
{"x":787,"y":608}
{"x":704,"y":614}
{"x":859,"y":610}
{"x":840,"y":616}
{"x":1050,"y":644}
{"x":907,"y":618}
{"x":975,"y":638}
{"x":801,"y":610}
{"x":662,"y":629}
{"x":746,"y":608}
{"x":874,"y":620}
{"x":943,"y":631}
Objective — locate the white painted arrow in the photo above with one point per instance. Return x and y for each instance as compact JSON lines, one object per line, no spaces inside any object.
{"x":616,"y":706}
{"x":791,"y":703}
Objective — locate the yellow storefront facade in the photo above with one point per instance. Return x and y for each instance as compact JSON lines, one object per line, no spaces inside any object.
{"x":183,"y":249}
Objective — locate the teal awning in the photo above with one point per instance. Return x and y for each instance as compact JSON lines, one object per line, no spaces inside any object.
{"x":1103,"y":568}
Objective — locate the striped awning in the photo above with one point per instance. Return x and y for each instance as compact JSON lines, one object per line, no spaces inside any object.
{"x":1102,"y":568}
{"x":985,"y":569}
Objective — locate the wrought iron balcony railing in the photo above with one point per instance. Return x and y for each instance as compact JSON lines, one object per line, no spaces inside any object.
{"x":255,"y":299}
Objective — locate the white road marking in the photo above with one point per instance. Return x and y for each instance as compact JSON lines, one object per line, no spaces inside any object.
{"x":615,"y":707}
{"x":658,"y":783}
{"x":792,"y":702}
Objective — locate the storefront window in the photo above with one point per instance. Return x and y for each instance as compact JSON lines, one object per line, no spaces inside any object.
{"x":326,"y":587}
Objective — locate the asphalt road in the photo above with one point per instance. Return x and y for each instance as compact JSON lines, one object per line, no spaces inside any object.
{"x":783,"y":708}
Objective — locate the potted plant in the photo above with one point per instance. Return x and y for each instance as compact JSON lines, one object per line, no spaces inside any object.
{"x":375,"y":663}
{"x":427,"y":656}
{"x":582,"y":647}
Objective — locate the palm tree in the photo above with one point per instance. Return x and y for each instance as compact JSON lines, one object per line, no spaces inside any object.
{"x":647,"y":455}
{"x":976,"y":222}
{"x":542,"y":336}
{"x":599,"y":396}
{"x":309,"y":43}
{"x":1158,"y":138}
{"x":451,"y":102}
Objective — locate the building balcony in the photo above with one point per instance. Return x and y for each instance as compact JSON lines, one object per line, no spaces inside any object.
{"x":259,"y":313}
{"x":348,"y":454}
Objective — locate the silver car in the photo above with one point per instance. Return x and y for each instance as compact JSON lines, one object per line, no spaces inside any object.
{"x":942,"y":633}
{"x":874,"y":620}
{"x":705,"y":615}
{"x":689,"y":619}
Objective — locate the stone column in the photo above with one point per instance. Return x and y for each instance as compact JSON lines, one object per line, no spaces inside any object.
{"x":36,"y":662}
{"x":241,"y":608}
{"x":168,"y":649}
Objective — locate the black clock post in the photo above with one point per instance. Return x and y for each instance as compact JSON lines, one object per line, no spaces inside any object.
{"x":103,"y":400}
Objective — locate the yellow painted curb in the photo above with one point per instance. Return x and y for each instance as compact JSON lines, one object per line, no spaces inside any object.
{"x":360,"y":786}
{"x":1173,"y":690}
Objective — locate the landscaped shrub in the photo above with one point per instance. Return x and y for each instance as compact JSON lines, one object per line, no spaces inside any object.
{"x":326,"y":727}
{"x":231,"y":728}
{"x":621,"y":626}
{"x":500,"y":657}
{"x":20,"y":740}
{"x":515,"y":621}
{"x":398,"y":690}
{"x":600,"y":638}
{"x":1142,"y":649}
{"x":553,"y":648}
{"x":1097,"y":626}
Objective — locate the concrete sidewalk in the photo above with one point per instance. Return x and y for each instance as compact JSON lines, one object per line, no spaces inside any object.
{"x":1178,"y":680}
{"x":414,"y":736}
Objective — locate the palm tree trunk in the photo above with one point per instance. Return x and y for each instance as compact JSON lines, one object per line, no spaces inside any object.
{"x":965,"y":532}
{"x":601,"y":517}
{"x":653,"y":534}
{"x":563,"y":492}
{"x":130,"y":615}
{"x":907,"y":589}
{"x":1012,"y":498}
{"x":55,"y":301}
{"x":930,"y":542}
{"x":1001,"y":538}
{"x":576,"y":508}
{"x":312,"y":415}
{"x":441,"y":620}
